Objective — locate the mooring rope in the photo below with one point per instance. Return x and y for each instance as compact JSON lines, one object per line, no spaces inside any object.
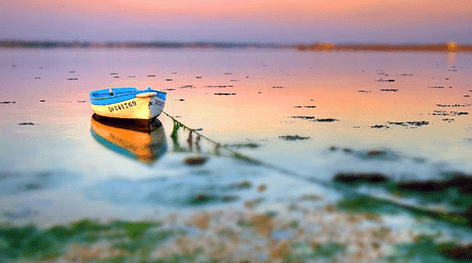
{"x":457,"y":218}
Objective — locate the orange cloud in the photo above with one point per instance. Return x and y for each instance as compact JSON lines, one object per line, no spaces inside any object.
{"x":287,"y":11}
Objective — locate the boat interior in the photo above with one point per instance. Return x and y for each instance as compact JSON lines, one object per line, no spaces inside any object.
{"x":105,"y":93}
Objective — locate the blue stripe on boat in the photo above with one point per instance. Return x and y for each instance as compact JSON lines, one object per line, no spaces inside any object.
{"x":100,"y":93}
{"x":161,"y":95}
{"x":104,"y":97}
{"x":124,"y":90}
{"x":112,"y":100}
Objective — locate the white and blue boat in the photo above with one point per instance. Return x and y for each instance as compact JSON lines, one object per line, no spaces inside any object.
{"x":141,"y":106}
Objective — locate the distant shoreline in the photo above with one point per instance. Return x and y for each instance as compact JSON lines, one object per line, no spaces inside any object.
{"x":446,"y":47}
{"x":162,"y":44}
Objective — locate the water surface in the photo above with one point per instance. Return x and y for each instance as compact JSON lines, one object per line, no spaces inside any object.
{"x":403,"y":115}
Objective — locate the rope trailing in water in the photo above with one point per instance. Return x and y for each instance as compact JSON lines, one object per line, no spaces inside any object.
{"x":457,"y":218}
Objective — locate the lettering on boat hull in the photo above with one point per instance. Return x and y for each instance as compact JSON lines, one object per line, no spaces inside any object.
{"x":122,"y":106}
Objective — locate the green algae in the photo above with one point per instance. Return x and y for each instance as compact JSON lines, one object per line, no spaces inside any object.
{"x":453,"y":190}
{"x":229,"y":198}
{"x":117,"y":259}
{"x":329,"y":250}
{"x":191,"y":257}
{"x":144,"y":242}
{"x":245,"y":224}
{"x":368,"y":205}
{"x":29,"y":242}
{"x":242,"y":185}
{"x":450,"y":196}
{"x":271,"y":214}
{"x":201,"y":199}
{"x":135,"y":230}
{"x":245,"y":158}
{"x":364,"y":204}
{"x":424,"y":249}
{"x":303,"y":251}
{"x":294,"y":224}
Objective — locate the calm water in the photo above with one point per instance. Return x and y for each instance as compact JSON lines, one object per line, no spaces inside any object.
{"x":404,"y":115}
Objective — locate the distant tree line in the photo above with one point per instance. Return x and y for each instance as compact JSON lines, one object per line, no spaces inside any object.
{"x":42,"y":44}
{"x":451,"y":46}
{"x":76,"y":44}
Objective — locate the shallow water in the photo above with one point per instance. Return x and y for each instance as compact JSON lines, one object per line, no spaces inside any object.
{"x":403,"y":115}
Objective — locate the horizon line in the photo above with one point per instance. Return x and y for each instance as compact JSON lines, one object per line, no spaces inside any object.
{"x":317,"y":46}
{"x":220,"y":42}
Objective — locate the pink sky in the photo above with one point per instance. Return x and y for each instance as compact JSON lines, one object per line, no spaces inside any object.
{"x":279,"y":21}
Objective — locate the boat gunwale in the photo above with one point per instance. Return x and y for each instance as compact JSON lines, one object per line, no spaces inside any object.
{"x":115,"y":96}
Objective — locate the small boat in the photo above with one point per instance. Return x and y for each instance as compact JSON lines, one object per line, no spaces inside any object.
{"x":144,"y":146}
{"x":141,"y":106}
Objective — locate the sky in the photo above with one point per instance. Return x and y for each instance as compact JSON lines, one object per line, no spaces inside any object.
{"x":260,"y":21}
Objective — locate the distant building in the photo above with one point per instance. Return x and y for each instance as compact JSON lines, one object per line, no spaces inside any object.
{"x":452,"y":47}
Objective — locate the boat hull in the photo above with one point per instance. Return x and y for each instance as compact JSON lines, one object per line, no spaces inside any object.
{"x":136,"y":108}
{"x":141,"y":125}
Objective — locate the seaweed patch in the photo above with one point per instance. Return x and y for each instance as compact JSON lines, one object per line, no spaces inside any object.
{"x":379,"y":126}
{"x":409,"y":123}
{"x":393,"y":90}
{"x":360,"y":178}
{"x":293,"y":137}
{"x":224,"y":93}
{"x":314,"y":119}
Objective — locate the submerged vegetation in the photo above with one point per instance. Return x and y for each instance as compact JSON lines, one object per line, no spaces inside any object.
{"x":124,"y":238}
{"x":232,"y":236}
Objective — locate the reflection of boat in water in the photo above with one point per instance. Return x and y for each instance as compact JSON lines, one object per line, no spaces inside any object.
{"x":128,"y":103}
{"x":146,"y":145}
